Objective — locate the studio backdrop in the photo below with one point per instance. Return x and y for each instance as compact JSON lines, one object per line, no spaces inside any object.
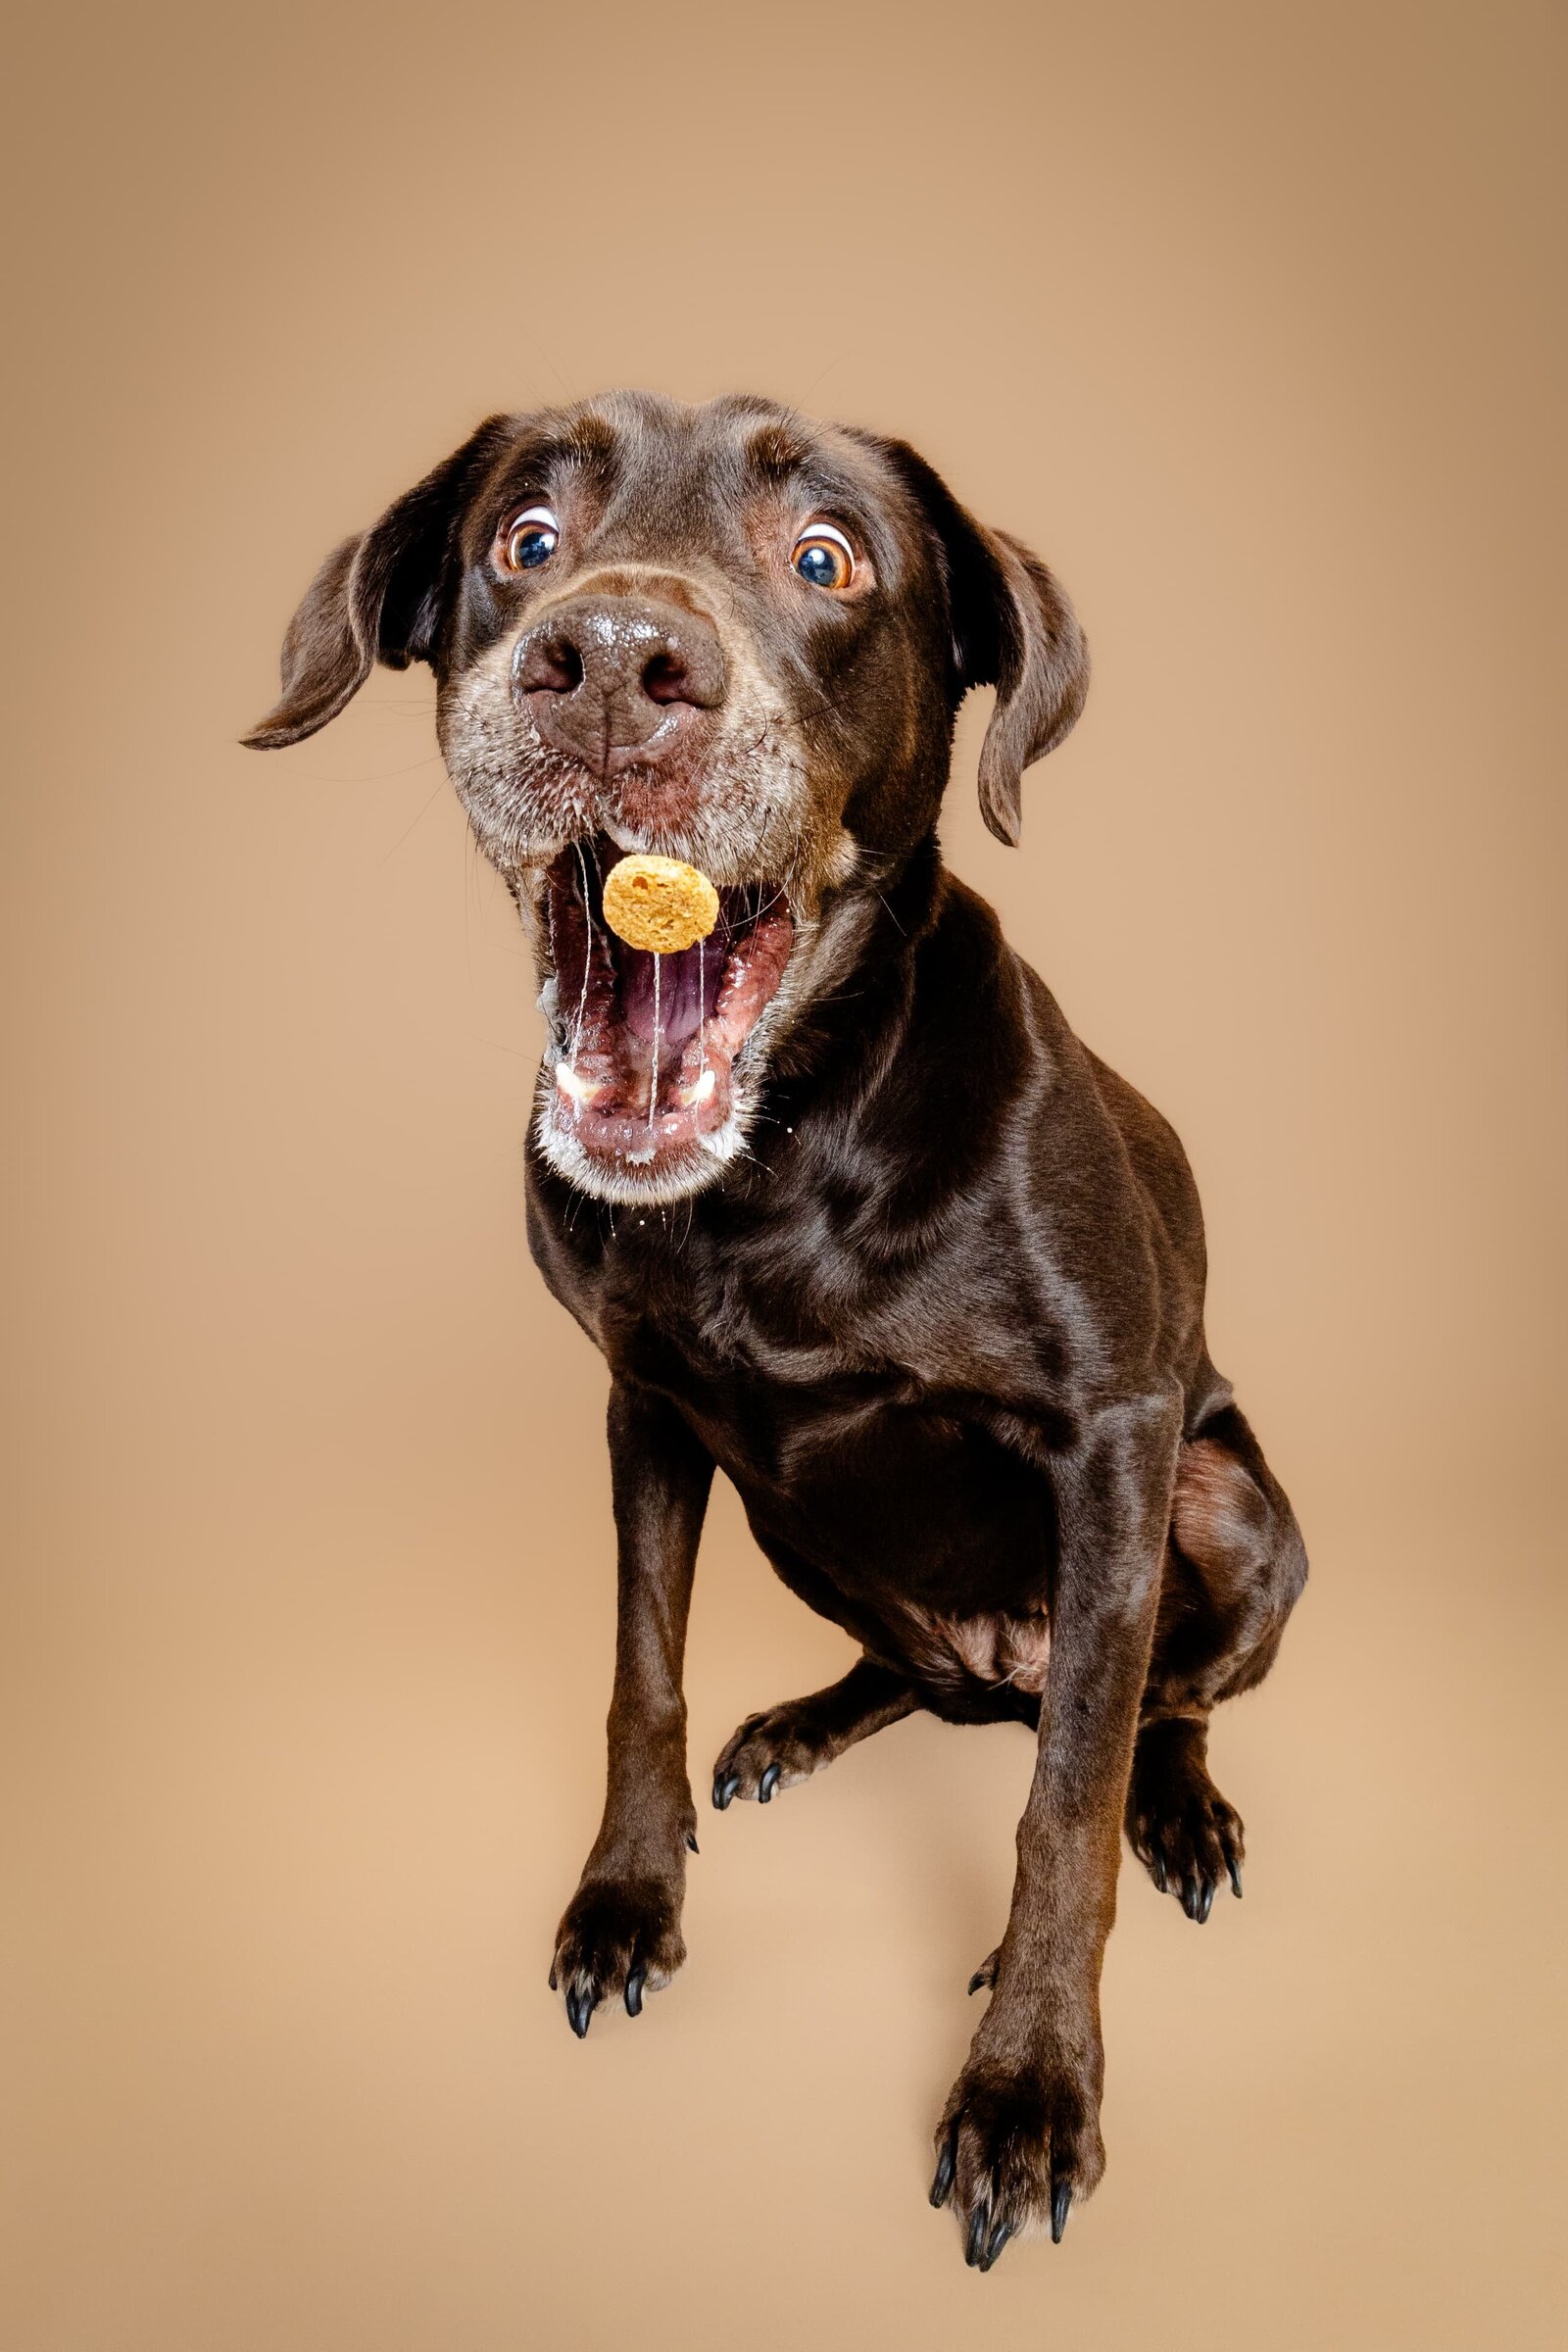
{"x":1249,"y":320}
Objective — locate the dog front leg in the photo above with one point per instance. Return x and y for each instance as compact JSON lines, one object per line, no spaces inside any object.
{"x":1021,"y":2136}
{"x":621,"y":1930}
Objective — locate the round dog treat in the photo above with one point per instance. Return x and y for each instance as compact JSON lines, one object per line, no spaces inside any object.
{"x":658,"y":904}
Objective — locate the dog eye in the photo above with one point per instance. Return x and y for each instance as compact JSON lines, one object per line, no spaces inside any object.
{"x":823,"y":555}
{"x":530,"y":539}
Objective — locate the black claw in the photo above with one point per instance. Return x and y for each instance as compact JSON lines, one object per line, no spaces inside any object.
{"x":634,"y":1992}
{"x":724,"y":1791}
{"x":1160,"y":1879}
{"x":1061,"y":2199}
{"x":690,"y":1841}
{"x":977,"y":1980}
{"x":1205,"y":1901}
{"x":999,"y":2238}
{"x":770,"y":1782}
{"x":1190,"y":1898}
{"x":979,"y":2226}
{"x":579,"y":2009}
{"x":946,"y":2164}
{"x":555,"y":1982}
{"x":1235,"y":1869}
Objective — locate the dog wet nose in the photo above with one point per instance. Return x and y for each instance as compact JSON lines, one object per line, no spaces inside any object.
{"x":617,"y":680}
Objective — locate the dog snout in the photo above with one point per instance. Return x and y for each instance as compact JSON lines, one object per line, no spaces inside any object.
{"x":617,"y":681}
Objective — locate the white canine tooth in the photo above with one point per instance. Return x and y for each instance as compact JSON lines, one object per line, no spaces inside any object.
{"x":581,"y":1090}
{"x":699,"y":1091}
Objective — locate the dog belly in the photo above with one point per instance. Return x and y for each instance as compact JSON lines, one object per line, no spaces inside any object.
{"x":988,"y":1667}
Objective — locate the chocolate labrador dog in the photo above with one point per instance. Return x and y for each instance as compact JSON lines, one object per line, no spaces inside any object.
{"x":850,"y":1210}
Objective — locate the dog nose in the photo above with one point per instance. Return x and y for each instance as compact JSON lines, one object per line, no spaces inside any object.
{"x":617,"y":680}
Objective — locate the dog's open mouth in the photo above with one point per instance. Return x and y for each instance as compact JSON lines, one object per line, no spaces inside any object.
{"x":646,"y":1044}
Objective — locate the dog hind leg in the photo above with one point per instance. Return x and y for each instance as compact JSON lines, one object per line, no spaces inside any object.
{"x":789,"y":1742}
{"x":1234,"y":1569}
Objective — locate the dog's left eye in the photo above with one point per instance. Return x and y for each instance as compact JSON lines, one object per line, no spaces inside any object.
{"x":530,"y":539}
{"x":823,"y":555}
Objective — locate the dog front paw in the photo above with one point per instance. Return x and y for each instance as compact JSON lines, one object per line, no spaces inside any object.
{"x":1016,"y":2145}
{"x":619,"y":1936}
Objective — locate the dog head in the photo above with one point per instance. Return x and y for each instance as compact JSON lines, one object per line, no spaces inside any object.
{"x":726,"y":634}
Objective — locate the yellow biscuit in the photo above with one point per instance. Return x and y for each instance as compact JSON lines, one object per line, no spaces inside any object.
{"x":658,"y":904}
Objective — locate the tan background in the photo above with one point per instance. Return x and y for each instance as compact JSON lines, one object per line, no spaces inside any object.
{"x":1245,"y":315}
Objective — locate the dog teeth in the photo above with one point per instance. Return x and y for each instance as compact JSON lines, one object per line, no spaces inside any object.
{"x":580,"y":1090}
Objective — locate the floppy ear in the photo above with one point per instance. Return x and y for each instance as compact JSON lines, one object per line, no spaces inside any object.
{"x":1040,"y":669}
{"x":1012,"y":628}
{"x":377,"y":597}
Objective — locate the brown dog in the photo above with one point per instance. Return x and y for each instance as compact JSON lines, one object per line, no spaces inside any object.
{"x":933,"y":1296}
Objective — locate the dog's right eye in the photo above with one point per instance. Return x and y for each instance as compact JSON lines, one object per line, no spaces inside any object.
{"x":530,"y":539}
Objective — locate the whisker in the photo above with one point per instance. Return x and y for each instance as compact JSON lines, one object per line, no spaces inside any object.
{"x":522,"y":1053}
{"x":423,"y":809}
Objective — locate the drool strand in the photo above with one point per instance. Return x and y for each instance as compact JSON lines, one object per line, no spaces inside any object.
{"x":588,"y":953}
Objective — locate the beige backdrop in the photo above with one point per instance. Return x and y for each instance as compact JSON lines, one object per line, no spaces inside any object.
{"x":1245,"y":316}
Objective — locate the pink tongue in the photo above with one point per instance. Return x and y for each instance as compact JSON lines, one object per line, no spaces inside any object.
{"x":684,"y":982}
